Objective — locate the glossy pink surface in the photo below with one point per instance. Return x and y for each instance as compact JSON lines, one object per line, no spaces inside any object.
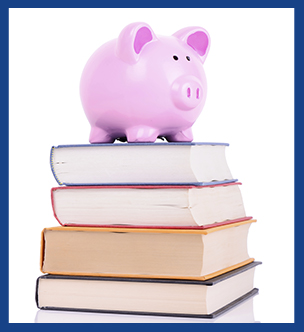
{"x":142,"y":86}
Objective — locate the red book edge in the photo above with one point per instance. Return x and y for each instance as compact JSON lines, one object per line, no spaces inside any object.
{"x":146,"y":186}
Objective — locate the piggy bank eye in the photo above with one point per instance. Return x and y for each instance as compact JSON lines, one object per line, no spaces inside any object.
{"x":175,"y":57}
{"x":188,"y":58}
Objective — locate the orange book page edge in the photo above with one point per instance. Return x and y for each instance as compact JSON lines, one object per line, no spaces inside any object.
{"x":149,"y":230}
{"x":145,"y":276}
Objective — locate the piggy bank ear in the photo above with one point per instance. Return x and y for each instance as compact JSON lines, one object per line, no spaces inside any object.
{"x":196,"y":37}
{"x":132,"y":40}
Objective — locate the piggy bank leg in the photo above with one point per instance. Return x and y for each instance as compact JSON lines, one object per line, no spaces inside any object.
{"x":98,"y":135}
{"x":181,"y":136}
{"x":141,"y":134}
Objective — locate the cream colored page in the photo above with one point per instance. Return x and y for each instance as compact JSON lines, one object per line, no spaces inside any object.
{"x":123,"y":253}
{"x":132,"y":296}
{"x":225,"y":248}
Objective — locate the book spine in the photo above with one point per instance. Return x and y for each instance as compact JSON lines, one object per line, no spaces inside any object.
{"x":53,"y":205}
{"x":36,"y":293}
{"x":42,"y":250}
{"x":52,"y":166}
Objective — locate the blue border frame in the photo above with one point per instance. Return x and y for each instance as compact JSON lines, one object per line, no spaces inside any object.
{"x":4,"y":167}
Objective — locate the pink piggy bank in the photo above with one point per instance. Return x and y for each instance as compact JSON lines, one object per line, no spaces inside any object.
{"x":141,"y":86}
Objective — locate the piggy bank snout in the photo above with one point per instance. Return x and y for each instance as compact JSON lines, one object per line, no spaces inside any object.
{"x":187,"y":93}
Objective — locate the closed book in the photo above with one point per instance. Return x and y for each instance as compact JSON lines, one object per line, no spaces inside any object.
{"x":140,"y":163}
{"x":149,"y":206}
{"x":241,"y":312}
{"x":145,"y":253}
{"x":162,"y":297}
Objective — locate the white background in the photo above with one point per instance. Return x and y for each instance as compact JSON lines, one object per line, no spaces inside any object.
{"x":250,"y":75}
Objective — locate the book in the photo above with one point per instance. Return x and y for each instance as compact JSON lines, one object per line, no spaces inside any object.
{"x":140,"y":163}
{"x":162,"y":297}
{"x":145,"y":253}
{"x":240,"y":313}
{"x":148,"y":206}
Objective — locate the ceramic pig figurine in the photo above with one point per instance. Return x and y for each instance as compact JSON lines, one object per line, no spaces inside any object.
{"x":141,"y":86}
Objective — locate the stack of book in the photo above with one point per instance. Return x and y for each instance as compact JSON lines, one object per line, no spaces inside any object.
{"x":154,"y":229}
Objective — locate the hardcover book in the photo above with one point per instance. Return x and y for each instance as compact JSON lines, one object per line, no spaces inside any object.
{"x":145,"y":253}
{"x":140,"y":163}
{"x":242,"y":312}
{"x":149,"y":206}
{"x":162,"y":297}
